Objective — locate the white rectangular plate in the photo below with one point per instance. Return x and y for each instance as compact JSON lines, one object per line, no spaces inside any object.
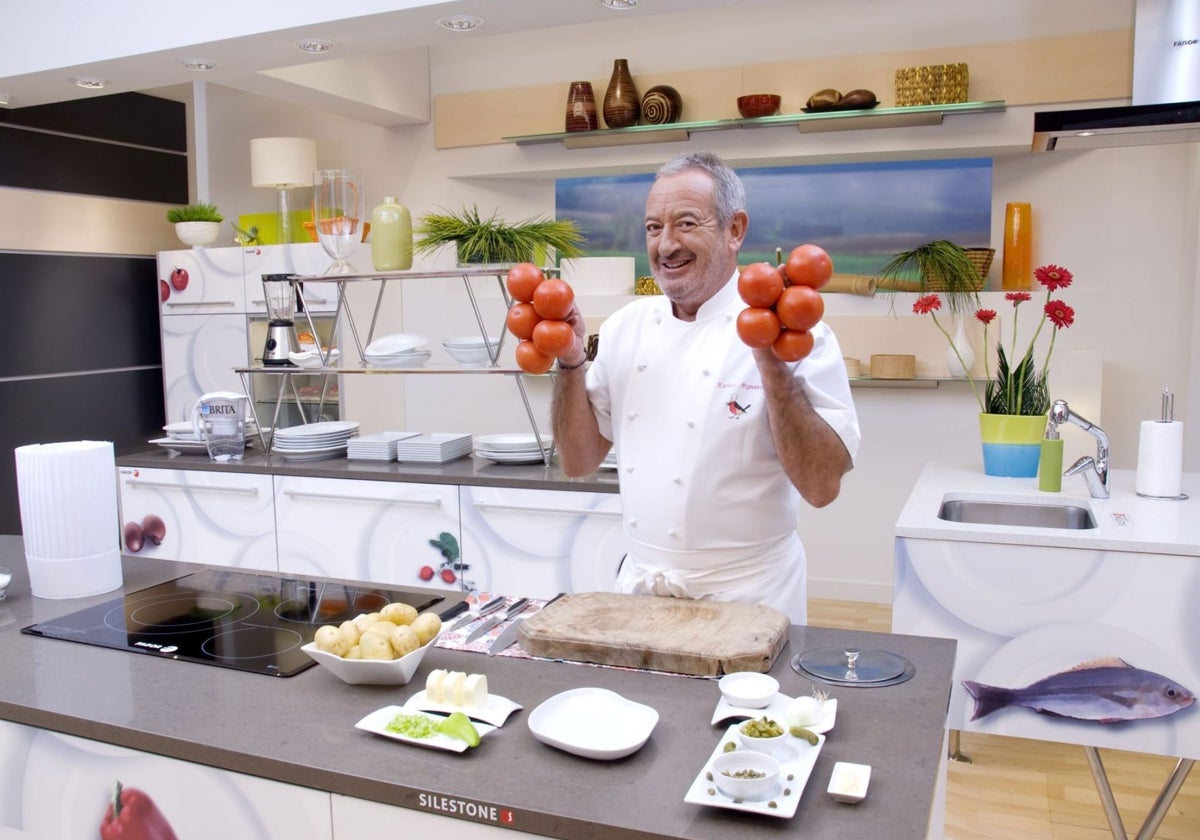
{"x":777,"y":710}
{"x":793,"y":776}
{"x":378,"y":720}
{"x":495,"y":711}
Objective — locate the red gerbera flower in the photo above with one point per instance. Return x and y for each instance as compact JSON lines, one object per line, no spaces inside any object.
{"x":1053,"y":277}
{"x":1060,"y":314}
{"x":985,"y":316}
{"x":926,"y":304}
{"x":1018,"y":298}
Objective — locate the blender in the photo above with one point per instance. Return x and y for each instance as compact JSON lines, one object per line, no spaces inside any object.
{"x":281,"y":310}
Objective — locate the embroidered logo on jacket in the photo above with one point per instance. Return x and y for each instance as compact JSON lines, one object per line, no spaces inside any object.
{"x":736,"y":409}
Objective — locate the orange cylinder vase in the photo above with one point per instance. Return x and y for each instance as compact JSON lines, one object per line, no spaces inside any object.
{"x":1018,"y":247}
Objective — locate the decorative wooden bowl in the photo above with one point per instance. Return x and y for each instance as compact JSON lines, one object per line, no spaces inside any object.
{"x":758,"y":105}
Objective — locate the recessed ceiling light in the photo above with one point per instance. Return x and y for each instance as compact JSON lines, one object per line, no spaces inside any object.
{"x":5,"y":99}
{"x":618,"y":5}
{"x":89,"y":83}
{"x":199,"y":65}
{"x":316,"y":46}
{"x":460,"y":23}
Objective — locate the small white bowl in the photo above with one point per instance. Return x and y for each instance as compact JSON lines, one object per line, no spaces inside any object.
{"x":747,"y":789}
{"x":776,"y":745}
{"x":848,"y":782}
{"x":370,"y":671}
{"x":471,"y":356}
{"x":748,"y":689}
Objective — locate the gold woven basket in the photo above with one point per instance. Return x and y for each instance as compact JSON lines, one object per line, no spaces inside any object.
{"x":931,"y":84}
{"x":981,"y":258}
{"x":646,"y":286}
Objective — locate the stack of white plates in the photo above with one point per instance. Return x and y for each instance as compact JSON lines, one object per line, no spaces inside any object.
{"x":512,"y":448}
{"x":610,"y":460}
{"x":314,"y":441}
{"x":397,"y":350}
{"x":182,"y":438}
{"x":380,"y":446}
{"x":436,"y":448}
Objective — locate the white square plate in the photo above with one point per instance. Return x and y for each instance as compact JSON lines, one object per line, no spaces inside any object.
{"x":593,"y":723}
{"x":378,"y":720}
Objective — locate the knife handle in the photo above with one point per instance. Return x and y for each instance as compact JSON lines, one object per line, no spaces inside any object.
{"x":458,"y":609}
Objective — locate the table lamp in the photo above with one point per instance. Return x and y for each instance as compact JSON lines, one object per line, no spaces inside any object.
{"x":283,"y":163}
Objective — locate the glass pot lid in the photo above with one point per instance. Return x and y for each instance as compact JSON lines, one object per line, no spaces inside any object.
{"x":850,"y":666}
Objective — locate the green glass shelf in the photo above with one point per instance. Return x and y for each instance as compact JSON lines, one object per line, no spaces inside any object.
{"x":806,"y":123}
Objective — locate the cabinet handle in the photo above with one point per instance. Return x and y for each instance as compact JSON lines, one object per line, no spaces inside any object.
{"x":338,"y":497}
{"x":199,"y":304}
{"x":140,"y":482}
{"x":307,"y":299}
{"x":563,"y":511}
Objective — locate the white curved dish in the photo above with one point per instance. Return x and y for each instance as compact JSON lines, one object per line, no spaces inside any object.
{"x":377,"y":722}
{"x":777,"y":710}
{"x":324,"y":427}
{"x":593,"y":723}
{"x":396,"y":343}
{"x":495,"y":711}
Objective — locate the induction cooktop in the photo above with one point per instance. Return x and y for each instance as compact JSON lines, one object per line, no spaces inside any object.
{"x":233,"y":619}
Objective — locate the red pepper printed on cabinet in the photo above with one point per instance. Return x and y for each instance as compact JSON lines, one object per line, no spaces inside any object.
{"x":132,"y":815}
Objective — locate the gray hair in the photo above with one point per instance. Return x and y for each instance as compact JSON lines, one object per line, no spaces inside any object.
{"x":729,"y":195}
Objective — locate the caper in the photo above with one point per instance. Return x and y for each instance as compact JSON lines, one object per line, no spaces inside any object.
{"x":730,"y":746}
{"x":772,"y":804}
{"x":708,"y":775}
{"x":787,"y":791}
{"x":712,"y":792}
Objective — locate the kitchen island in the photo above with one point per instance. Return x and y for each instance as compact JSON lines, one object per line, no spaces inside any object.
{"x":299,"y":731}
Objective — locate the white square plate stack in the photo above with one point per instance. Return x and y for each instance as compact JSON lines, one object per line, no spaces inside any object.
{"x":512,"y":448}
{"x":380,"y":446}
{"x":435,"y":448}
{"x":397,"y":350}
{"x":314,"y":441}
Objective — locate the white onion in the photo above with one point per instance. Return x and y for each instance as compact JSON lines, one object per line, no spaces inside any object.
{"x":803,"y":711}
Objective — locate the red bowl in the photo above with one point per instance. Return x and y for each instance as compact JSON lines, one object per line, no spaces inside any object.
{"x":758,"y":105}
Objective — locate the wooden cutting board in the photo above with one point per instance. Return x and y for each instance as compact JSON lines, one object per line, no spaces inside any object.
{"x":677,"y":635}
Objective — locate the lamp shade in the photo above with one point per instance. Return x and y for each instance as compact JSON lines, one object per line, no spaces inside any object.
{"x":282,"y":162}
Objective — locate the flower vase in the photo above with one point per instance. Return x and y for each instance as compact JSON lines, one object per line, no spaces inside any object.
{"x":581,"y":107}
{"x":622,"y":107}
{"x":960,"y":356}
{"x":1012,"y":444}
{"x":1017,"y":262}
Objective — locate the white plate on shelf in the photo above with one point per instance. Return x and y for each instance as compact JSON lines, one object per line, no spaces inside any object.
{"x":396,"y":343}
{"x":512,"y":442}
{"x":310,"y":454}
{"x":794,"y":770}
{"x":378,"y":720}
{"x":399,"y":360}
{"x":310,"y":430}
{"x":188,"y":447}
{"x":777,"y":710}
{"x":511,"y":457}
{"x":593,"y":723}
{"x":495,"y":711}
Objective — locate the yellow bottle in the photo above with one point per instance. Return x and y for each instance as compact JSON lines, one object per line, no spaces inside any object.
{"x":391,"y":236}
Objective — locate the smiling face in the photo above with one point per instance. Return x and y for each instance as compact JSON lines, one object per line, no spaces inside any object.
{"x":692,"y":254}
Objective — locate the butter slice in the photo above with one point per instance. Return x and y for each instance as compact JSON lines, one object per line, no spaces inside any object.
{"x":435,"y":685}
{"x":475,"y":691}
{"x":453,"y":691}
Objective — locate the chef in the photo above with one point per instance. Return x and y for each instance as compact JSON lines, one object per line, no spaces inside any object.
{"x":716,"y":443}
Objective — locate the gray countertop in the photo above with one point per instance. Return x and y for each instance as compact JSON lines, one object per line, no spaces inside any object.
{"x":479,"y":472}
{"x":300,"y":730}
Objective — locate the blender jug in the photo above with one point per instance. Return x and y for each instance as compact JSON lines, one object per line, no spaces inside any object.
{"x":281,"y":310}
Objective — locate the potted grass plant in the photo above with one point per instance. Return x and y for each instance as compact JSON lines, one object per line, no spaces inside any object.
{"x":493,"y":241}
{"x":939,"y":266}
{"x":196,"y":224}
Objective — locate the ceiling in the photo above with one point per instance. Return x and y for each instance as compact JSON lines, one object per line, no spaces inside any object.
{"x":45,"y":46}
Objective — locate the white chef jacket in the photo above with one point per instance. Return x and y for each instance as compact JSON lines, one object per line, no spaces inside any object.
{"x":707,"y":506}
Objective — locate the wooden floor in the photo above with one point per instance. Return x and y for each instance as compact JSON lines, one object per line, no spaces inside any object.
{"x":1020,"y":789}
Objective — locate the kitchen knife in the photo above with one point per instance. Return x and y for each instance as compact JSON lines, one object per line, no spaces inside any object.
{"x":488,"y":608}
{"x":508,"y":636}
{"x":517,"y":606}
{"x":457,"y":609}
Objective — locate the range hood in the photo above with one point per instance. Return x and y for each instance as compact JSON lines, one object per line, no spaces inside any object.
{"x":1166,"y":88}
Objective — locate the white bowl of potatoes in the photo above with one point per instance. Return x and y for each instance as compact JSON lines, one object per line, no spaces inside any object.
{"x":383,"y":648}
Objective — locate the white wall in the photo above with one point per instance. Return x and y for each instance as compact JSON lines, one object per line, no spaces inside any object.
{"x":1125,"y":221}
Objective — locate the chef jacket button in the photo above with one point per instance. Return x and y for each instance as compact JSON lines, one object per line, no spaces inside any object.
{"x":691,"y":424}
{"x":706,"y":372}
{"x":633,"y":415}
{"x":629,"y":469}
{"x":658,"y":319}
{"x":677,"y":480}
{"x":642,"y":366}
{"x":671,"y":532}
{"x":632,"y":523}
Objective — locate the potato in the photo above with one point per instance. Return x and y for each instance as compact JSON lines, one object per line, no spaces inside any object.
{"x":427,"y":625}
{"x":403,"y":640}
{"x":350,"y":631}
{"x":331,"y":640}
{"x":355,"y":652}
{"x":399,"y":613}
{"x":365,"y":620}
{"x":383,"y":628}
{"x":375,"y":646}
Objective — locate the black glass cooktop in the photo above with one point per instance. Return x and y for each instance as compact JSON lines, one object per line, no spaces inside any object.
{"x":234,"y":619}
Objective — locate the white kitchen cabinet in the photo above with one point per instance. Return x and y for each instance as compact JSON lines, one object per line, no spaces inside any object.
{"x":297,"y":258}
{"x":201,"y":353}
{"x":378,"y":531}
{"x":541,"y":542}
{"x":445,"y":816}
{"x":214,"y":518}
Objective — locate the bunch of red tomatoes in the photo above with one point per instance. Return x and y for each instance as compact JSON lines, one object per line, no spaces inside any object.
{"x":536,"y":317}
{"x":783,"y":303}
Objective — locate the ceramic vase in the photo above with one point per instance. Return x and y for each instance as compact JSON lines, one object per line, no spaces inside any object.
{"x":1017,"y":274}
{"x":661,"y":104}
{"x":960,"y":355}
{"x":197,"y":234}
{"x":1012,"y":444}
{"x":581,"y":108}
{"x":622,"y":106}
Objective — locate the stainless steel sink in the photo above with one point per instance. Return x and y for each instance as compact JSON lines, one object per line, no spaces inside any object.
{"x":1021,"y":514}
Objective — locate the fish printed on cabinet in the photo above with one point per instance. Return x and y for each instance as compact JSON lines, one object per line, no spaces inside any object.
{"x":1104,"y":691}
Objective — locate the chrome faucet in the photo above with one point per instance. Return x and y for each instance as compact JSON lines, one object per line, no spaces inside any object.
{"x":1093,"y":470}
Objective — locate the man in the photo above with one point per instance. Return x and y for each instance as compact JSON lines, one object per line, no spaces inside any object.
{"x":716,"y":442}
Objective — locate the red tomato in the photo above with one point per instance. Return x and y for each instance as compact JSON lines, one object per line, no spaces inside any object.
{"x":532,"y":360}
{"x":759,"y":284}
{"x":757,"y":326}
{"x":553,"y":338}
{"x":521,"y":320}
{"x":808,"y":265}
{"x":553,"y":298}
{"x":800,"y":307}
{"x":522,"y":279}
{"x":792,"y":345}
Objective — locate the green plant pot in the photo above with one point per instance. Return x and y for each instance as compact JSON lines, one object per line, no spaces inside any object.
{"x":1012,"y":444}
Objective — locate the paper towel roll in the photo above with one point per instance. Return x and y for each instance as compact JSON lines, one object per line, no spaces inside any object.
{"x":69,"y":520}
{"x":1160,"y":459}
